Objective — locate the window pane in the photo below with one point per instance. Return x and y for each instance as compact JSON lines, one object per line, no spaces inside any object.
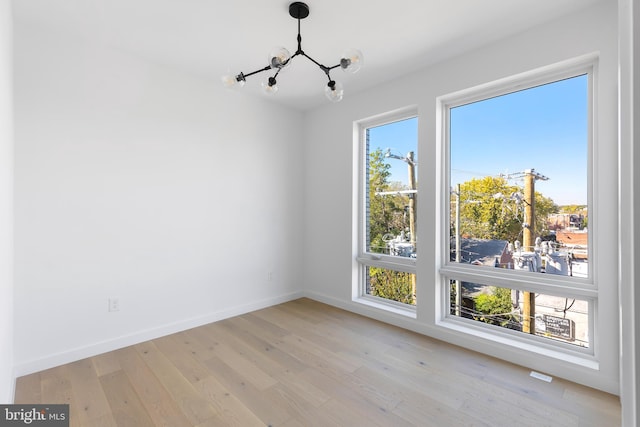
{"x":390,"y":284}
{"x":391,"y":177}
{"x":556,"y":318}
{"x":519,"y":180}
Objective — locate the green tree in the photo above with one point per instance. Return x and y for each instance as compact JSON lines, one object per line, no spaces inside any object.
{"x":495,"y":308}
{"x":386,"y":212}
{"x":572,"y":208}
{"x":544,"y":207}
{"x":390,"y":284}
{"x":491,"y":208}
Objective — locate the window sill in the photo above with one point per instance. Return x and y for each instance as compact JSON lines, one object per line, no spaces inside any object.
{"x":390,"y":307}
{"x":493,"y":337}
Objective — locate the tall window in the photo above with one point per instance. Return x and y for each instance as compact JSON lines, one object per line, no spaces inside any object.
{"x":387,"y":248}
{"x":518,"y":251}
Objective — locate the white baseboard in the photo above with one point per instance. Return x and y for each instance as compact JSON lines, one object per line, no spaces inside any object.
{"x":368,"y":311}
{"x":12,"y":390}
{"x":72,"y":355}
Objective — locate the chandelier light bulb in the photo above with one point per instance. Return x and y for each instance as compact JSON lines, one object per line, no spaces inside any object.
{"x":270,"y":87}
{"x":351,"y":60}
{"x":228,"y":81}
{"x":334,"y":91}
{"x":279,"y":58}
{"x":233,"y":82}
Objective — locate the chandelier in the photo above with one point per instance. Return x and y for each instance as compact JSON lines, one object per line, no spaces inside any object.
{"x":280,"y":58}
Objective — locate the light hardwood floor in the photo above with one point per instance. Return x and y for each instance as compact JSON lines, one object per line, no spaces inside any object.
{"x":304,"y":363}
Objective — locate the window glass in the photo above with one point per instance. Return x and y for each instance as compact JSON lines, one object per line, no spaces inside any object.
{"x":391,"y":212}
{"x":519,"y":180}
{"x":561,"y":319}
{"x":389,"y":209}
{"x":390,"y":284}
{"x":518,"y":201}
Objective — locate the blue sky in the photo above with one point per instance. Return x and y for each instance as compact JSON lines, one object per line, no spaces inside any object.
{"x":542,"y":128}
{"x":400,"y":137}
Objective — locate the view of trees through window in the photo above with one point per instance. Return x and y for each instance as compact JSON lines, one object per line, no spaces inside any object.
{"x":518,"y":200}
{"x":391,"y":212}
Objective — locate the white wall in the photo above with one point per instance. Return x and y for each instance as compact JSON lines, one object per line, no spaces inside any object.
{"x":138,"y":182}
{"x":329,"y":251}
{"x":633,"y":413}
{"x":629,"y":91}
{"x":6,"y":207}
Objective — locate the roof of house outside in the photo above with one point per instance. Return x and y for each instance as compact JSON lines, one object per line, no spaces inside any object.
{"x":480,"y":251}
{"x":571,"y":238}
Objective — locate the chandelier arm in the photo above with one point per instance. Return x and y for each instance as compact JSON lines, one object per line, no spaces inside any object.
{"x":324,"y":68}
{"x":242,"y":75}
{"x":293,"y":56}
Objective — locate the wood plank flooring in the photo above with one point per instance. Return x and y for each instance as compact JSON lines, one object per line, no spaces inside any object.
{"x":304,"y":363}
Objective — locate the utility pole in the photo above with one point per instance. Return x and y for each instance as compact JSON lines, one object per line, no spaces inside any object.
{"x":412,"y":207}
{"x":528,"y":239}
{"x":412,"y":199}
{"x":412,"y":215}
{"x":458,"y":256}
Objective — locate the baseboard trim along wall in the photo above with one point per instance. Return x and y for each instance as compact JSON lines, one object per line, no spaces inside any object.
{"x":79,"y":353}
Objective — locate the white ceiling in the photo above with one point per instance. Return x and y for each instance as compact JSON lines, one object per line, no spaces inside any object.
{"x":215,"y":37}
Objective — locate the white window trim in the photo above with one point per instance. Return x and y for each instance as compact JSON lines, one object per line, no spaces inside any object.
{"x":366,"y":259}
{"x":586,"y":289}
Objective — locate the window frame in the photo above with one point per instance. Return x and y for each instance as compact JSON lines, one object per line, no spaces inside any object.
{"x":572,"y":287}
{"x":363,"y":257}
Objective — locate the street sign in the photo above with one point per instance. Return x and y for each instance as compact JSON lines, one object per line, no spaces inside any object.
{"x":560,"y":327}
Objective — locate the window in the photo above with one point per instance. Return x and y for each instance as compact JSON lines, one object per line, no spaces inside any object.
{"x":388,"y":209}
{"x":518,"y":254}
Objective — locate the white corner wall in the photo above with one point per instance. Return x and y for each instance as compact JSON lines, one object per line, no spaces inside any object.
{"x":6,"y":207}
{"x":633,"y":413}
{"x":329,"y":250}
{"x":134,"y":181}
{"x":629,"y":99}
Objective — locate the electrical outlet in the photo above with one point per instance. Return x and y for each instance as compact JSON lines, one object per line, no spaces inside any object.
{"x":270,"y":276}
{"x":114,"y":304}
